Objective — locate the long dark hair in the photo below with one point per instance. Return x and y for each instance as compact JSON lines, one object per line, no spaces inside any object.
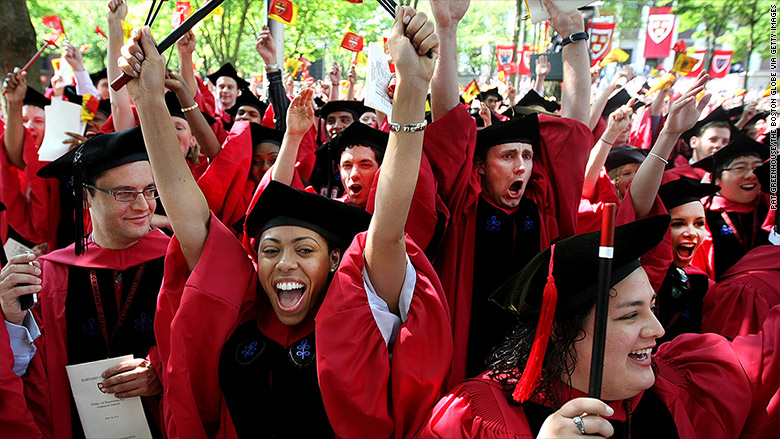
{"x":508,"y":359}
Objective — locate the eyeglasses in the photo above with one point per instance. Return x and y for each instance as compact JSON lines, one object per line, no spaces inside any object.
{"x":128,"y":196}
{"x":743,"y":169}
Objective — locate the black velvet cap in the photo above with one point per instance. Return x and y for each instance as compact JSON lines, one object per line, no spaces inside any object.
{"x":34,"y":97}
{"x":762,"y":173}
{"x":105,"y":107}
{"x":174,"y":107}
{"x":533,"y":98}
{"x":741,"y":145}
{"x":576,"y":268}
{"x":281,"y":205}
{"x":262,"y":133}
{"x":735,"y":113}
{"x":247,"y":98}
{"x":717,"y":115}
{"x":492,"y":92}
{"x":97,"y":76}
{"x":360,"y":134}
{"x":356,"y":108}
{"x":622,"y":155}
{"x":618,"y":100}
{"x":229,"y":71}
{"x":683,"y":191}
{"x":520,"y":129}
{"x":100,"y":153}
{"x":518,"y":111}
{"x":760,"y":115}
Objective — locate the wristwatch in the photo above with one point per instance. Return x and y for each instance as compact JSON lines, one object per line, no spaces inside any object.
{"x":272,"y":66}
{"x":574,"y":37}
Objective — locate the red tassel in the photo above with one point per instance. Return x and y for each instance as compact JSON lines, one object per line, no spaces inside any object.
{"x":533,"y":367}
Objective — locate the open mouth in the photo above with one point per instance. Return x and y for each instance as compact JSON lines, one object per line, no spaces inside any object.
{"x":748,"y":187}
{"x":289,"y":295}
{"x":515,"y":188}
{"x":355,"y":189}
{"x":686,"y":250}
{"x":641,"y":354}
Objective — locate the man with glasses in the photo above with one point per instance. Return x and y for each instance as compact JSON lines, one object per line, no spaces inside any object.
{"x":736,"y":214}
{"x":98,"y":296}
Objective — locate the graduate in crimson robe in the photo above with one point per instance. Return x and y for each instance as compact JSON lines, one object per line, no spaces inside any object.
{"x":227,"y":87}
{"x":496,"y":224}
{"x":735,"y":216}
{"x":98,"y":296}
{"x":261,"y":317}
{"x":32,"y":203}
{"x":696,"y":386}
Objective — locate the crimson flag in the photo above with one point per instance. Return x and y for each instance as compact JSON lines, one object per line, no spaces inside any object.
{"x":504,"y":54}
{"x":721,"y":60}
{"x":180,"y":13}
{"x":54,"y":22}
{"x":524,"y":60}
{"x":601,"y":40}
{"x":660,"y":27}
{"x":352,"y":41}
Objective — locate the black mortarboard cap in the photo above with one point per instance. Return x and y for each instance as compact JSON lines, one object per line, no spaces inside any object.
{"x":359,"y":134}
{"x":739,"y":146}
{"x":247,"y":98}
{"x":717,"y":115}
{"x":519,"y":111}
{"x":683,"y":191}
{"x":98,"y":154}
{"x":533,"y":98}
{"x":281,"y":205}
{"x":768,"y":137}
{"x":763,"y":174}
{"x":735,"y":113}
{"x":173,"y":104}
{"x":97,"y":76}
{"x":262,"y":133}
{"x":576,"y":268}
{"x":492,"y":92}
{"x":229,"y":71}
{"x":319,"y":103}
{"x":622,"y":155}
{"x":355,"y":108}
{"x":521,"y":129}
{"x":70,"y":94}
{"x":760,"y":115}
{"x":105,"y":106}
{"x":618,"y":100}
{"x":34,"y":97}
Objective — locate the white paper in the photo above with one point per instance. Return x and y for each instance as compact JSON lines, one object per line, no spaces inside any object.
{"x":13,"y":248}
{"x":103,"y":415}
{"x":538,"y":12}
{"x":61,"y":116}
{"x":377,"y":80}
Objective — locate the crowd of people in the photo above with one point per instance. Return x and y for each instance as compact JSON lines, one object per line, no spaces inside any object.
{"x":298,"y":264}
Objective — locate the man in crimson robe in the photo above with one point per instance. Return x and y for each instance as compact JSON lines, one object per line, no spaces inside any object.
{"x":97,"y":297}
{"x":509,"y":190}
{"x":33,"y":203}
{"x":229,"y":86}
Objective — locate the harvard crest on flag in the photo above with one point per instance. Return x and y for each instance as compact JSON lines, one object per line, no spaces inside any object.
{"x":352,"y":42}
{"x":601,"y":40}
{"x":660,"y":26}
{"x":283,"y":11}
{"x":721,"y":60}
{"x":504,"y":54}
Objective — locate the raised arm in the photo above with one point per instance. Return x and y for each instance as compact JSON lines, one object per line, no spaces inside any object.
{"x":385,"y":251}
{"x":300,"y":118}
{"x":682,"y":116}
{"x":444,"y":87}
{"x":14,"y":88}
{"x":335,"y":80}
{"x":351,"y":79}
{"x":619,"y":121}
{"x":601,"y":101}
{"x":185,"y":46}
{"x":184,"y":203}
{"x":277,"y":95}
{"x":541,"y":68}
{"x":120,"y":101}
{"x":198,"y":123}
{"x":575,"y":94}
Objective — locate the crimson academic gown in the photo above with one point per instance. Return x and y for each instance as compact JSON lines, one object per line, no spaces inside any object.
{"x":742,"y":300}
{"x":555,"y":187}
{"x":33,"y":202}
{"x":198,"y":312}
{"x":722,"y":248}
{"x":590,"y":210}
{"x":707,"y":386}
{"x":16,"y":420}
{"x":46,"y":383}
{"x":683,"y":169}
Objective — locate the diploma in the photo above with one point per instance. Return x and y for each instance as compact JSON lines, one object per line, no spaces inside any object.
{"x":377,"y":81}
{"x":102,"y":414}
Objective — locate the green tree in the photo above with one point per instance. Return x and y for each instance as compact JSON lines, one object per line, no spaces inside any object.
{"x":715,"y":15}
{"x":17,"y":39}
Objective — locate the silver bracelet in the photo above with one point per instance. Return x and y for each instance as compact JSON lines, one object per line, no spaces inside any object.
{"x":409,"y":127}
{"x":190,"y":108}
{"x":666,"y":162}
